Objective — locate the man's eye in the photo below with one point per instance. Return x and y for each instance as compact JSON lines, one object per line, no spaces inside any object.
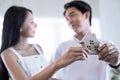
{"x":71,"y":15}
{"x":66,"y":19}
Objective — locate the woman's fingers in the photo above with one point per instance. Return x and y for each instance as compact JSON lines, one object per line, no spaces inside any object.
{"x":78,"y":53}
{"x":85,"y":49}
{"x":73,"y":54}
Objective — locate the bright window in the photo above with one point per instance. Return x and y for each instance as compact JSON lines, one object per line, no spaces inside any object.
{"x":51,"y":31}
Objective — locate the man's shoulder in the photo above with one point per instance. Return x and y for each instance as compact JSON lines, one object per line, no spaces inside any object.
{"x":67,"y":42}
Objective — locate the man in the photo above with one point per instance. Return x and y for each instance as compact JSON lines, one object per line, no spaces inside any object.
{"x":90,"y":67}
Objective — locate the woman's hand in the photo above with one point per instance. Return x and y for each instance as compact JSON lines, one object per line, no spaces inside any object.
{"x":73,"y":54}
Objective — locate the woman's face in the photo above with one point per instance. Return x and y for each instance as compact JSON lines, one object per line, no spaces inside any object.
{"x":76,"y":19}
{"x":28,"y":28}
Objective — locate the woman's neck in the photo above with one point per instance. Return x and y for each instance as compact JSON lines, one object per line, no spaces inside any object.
{"x":22,"y":44}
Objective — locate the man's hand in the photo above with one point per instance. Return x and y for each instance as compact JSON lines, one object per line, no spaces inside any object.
{"x":108,"y":52}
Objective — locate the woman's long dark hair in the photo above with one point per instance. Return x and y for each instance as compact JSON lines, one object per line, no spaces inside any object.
{"x":13,"y":21}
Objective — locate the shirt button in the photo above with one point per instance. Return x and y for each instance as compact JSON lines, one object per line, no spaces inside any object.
{"x":41,"y":66}
{"x":35,"y":56}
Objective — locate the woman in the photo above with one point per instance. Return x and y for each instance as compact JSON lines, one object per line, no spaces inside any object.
{"x":21,"y":60}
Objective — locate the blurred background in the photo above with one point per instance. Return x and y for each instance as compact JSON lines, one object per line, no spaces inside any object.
{"x":53,"y":28}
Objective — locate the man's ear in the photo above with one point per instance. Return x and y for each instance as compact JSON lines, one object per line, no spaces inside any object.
{"x":87,"y":15}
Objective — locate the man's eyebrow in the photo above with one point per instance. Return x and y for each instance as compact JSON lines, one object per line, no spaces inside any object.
{"x":71,"y":13}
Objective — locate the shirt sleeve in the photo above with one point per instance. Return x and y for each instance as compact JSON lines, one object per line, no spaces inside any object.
{"x":54,"y":57}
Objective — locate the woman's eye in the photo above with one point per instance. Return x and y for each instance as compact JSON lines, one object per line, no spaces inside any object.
{"x":32,"y":22}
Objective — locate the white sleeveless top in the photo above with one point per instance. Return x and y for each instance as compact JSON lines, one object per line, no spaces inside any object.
{"x":31,"y":64}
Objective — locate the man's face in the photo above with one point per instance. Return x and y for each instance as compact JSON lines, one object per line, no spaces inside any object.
{"x":76,"y":19}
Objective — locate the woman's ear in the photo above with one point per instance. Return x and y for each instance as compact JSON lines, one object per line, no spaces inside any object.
{"x":21,"y":30}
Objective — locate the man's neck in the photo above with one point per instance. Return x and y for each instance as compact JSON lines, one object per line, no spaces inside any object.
{"x":80,"y":35}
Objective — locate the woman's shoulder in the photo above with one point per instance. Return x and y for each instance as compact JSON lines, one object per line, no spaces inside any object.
{"x":7,"y":54}
{"x":38,"y":47}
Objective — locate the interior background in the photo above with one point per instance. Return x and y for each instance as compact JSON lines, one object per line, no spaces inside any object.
{"x":52,"y":26}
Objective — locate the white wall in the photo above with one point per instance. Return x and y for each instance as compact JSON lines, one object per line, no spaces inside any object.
{"x":40,"y":8}
{"x":44,"y":8}
{"x":110,"y":19}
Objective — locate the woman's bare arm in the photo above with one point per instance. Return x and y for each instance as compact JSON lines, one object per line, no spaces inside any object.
{"x":17,"y":73}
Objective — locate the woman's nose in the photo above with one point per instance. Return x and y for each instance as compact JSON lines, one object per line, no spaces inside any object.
{"x":35,"y":25}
